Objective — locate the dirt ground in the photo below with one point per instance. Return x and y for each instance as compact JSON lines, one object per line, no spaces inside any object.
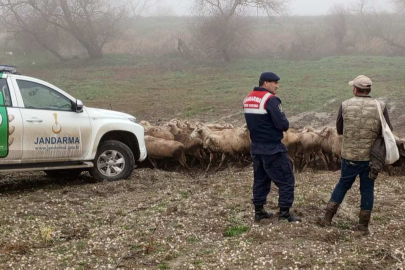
{"x":191,"y":220}
{"x":194,"y":220}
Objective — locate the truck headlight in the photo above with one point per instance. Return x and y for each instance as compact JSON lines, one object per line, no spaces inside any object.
{"x":134,"y":120}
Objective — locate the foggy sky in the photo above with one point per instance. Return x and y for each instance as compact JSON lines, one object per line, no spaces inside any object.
{"x":297,"y":7}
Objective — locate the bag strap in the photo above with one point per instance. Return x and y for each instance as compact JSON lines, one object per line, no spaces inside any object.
{"x":382,"y":118}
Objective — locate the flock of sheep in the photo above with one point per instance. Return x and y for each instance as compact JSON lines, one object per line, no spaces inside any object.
{"x":189,"y":142}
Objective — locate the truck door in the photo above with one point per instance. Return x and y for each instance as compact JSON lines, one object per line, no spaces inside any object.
{"x":11,"y":128}
{"x":53,"y":131}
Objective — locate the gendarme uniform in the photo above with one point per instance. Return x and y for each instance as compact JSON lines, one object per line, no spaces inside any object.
{"x":266,"y":122}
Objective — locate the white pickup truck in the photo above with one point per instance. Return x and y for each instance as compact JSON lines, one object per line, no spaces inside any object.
{"x":44,"y":128}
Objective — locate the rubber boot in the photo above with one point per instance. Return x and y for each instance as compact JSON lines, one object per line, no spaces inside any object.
{"x":286,"y":215}
{"x":330,"y":211}
{"x":364,"y":220}
{"x":260,"y":213}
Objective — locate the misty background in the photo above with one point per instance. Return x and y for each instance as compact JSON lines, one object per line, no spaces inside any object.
{"x":297,"y":7}
{"x":220,"y":30}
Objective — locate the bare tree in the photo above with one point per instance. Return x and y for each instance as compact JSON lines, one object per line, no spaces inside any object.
{"x":17,"y":17}
{"x":399,"y":3}
{"x":337,"y":21}
{"x":221,"y":25}
{"x":139,"y":7}
{"x":92,"y":23}
{"x":306,"y":44}
{"x":383,"y":26}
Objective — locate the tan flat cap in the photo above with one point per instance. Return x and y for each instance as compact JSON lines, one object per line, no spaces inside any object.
{"x":362,"y":82}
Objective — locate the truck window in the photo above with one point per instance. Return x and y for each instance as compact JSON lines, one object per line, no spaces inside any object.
{"x":38,"y":96}
{"x":6,"y":92}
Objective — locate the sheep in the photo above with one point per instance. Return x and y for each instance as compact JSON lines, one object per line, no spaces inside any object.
{"x":175,"y":129}
{"x":189,"y":125}
{"x":175,"y":122}
{"x":292,"y":141}
{"x":308,"y":129}
{"x":197,"y":133}
{"x":193,"y":146}
{"x":241,"y":144}
{"x":198,"y":139}
{"x":331,"y":144}
{"x":228,"y":141}
{"x":145,"y":124}
{"x":219,"y":127}
{"x":311,"y":143}
{"x":158,"y":148}
{"x":158,"y":132}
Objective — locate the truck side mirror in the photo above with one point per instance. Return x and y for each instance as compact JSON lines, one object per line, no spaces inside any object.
{"x":79,"y":106}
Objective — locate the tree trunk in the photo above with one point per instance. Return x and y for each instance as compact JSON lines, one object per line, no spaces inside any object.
{"x":225,"y":55}
{"x":94,"y":53}
{"x":183,"y":48}
{"x":94,"y":50}
{"x":49,"y":48}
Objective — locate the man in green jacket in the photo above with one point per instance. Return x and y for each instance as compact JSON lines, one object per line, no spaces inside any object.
{"x":359,"y":123}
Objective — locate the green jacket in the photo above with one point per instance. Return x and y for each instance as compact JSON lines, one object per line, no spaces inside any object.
{"x":362,"y":125}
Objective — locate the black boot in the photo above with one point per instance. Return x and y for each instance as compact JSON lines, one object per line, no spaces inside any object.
{"x":260,"y":213}
{"x":286,"y":215}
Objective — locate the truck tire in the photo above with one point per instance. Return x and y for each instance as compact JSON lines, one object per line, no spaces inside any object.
{"x":114,"y":160}
{"x":65,"y":174}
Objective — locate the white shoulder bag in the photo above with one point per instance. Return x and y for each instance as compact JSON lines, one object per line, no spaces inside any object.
{"x":389,"y":139}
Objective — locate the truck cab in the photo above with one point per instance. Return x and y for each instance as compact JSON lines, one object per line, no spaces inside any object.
{"x":44,"y":128}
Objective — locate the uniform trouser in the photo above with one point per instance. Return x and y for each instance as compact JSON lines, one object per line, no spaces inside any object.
{"x":275,"y":168}
{"x":350,"y":170}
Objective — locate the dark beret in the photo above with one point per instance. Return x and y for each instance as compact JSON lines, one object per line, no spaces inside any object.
{"x":269,"y":77}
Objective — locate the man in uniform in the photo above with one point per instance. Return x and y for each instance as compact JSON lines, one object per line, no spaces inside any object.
{"x":359,"y":122}
{"x":266,"y":122}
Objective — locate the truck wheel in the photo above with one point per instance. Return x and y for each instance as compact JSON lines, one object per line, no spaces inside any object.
{"x":114,"y":160}
{"x":65,"y":174}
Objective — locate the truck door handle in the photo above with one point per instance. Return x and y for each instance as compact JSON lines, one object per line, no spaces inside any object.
{"x":34,"y":120}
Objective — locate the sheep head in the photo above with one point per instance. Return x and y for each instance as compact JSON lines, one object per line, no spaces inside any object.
{"x":145,"y":124}
{"x":189,"y":125}
{"x":327,"y":131}
{"x":196,"y":133}
{"x":243,"y":131}
{"x":228,"y":125}
{"x":307,"y":129}
{"x":174,"y":129}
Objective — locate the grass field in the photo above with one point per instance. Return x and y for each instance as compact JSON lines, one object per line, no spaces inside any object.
{"x":168,"y":87}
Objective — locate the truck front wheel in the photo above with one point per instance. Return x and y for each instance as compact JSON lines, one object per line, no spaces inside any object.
{"x":114,"y":160}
